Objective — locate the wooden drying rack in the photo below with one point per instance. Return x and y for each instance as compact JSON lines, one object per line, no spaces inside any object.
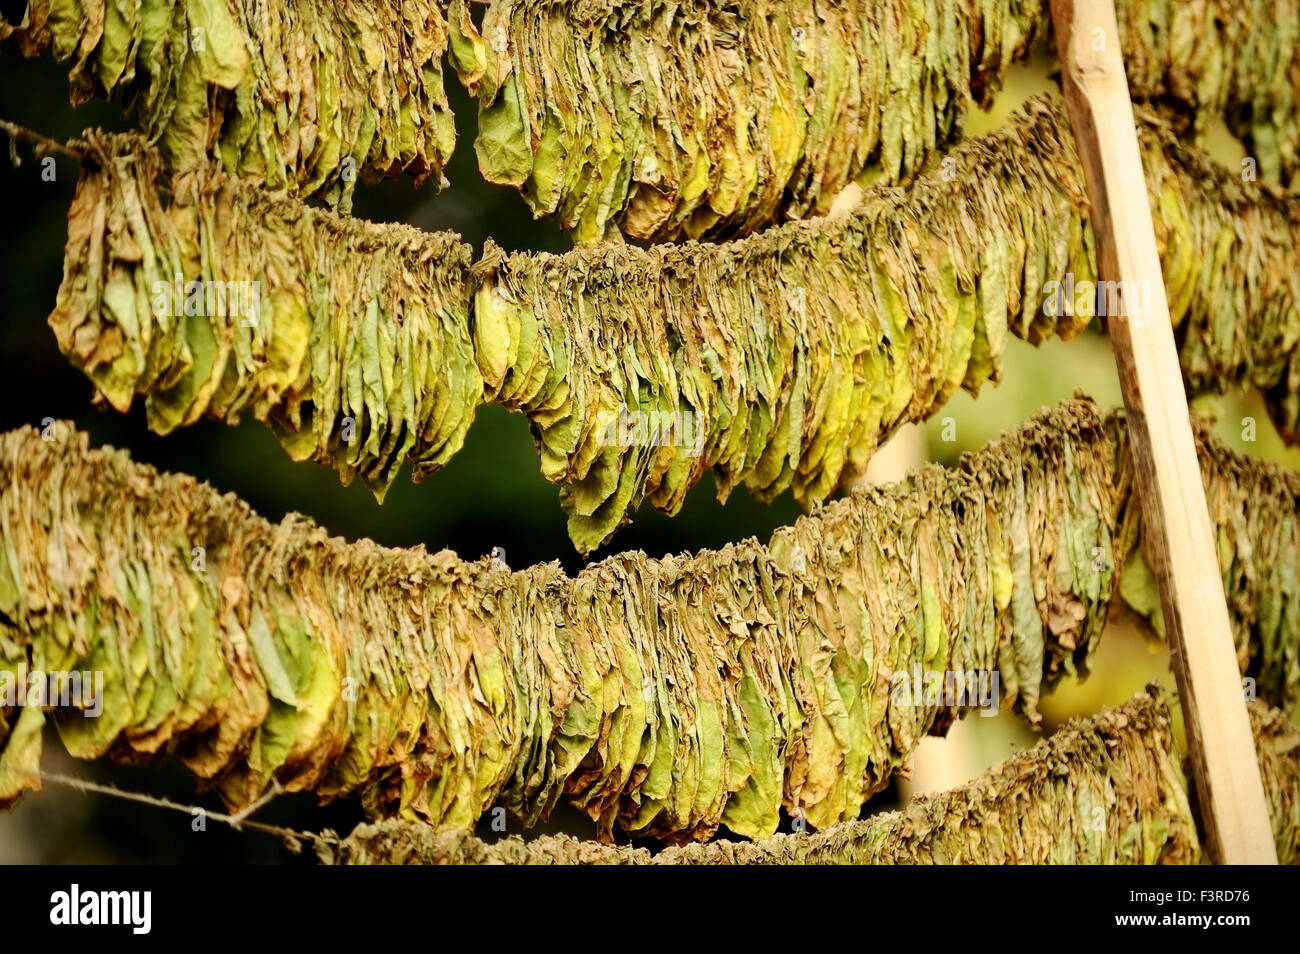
{"x":1176,"y":520}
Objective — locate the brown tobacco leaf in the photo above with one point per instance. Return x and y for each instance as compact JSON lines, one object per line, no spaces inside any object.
{"x":709,"y":119}
{"x":1101,"y":790}
{"x":303,"y":95}
{"x":437,"y":688}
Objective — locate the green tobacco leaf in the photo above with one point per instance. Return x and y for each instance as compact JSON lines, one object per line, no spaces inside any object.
{"x":306,"y":95}
{"x":1073,"y":798}
{"x":667,"y":121}
{"x":777,"y":362}
{"x":436,"y":688}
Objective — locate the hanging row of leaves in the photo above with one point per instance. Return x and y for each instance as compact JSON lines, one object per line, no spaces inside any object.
{"x":1106,"y":789}
{"x":705,"y":119}
{"x":1238,"y":60}
{"x":662,"y":119}
{"x":665,"y":697}
{"x":303,"y":95}
{"x":792,"y":354}
{"x":351,"y":339}
{"x":665,"y":119}
{"x":778,"y":361}
{"x":1228,"y":258}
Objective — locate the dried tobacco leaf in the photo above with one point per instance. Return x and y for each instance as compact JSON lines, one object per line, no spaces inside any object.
{"x":707,"y":119}
{"x":778,"y":361}
{"x":437,"y":688}
{"x":1041,"y":806}
{"x":781,"y":361}
{"x":1277,"y":743}
{"x":1235,"y":59}
{"x":1228,"y":248}
{"x":305,"y":95}
{"x":350,"y":339}
{"x":1254,"y":508}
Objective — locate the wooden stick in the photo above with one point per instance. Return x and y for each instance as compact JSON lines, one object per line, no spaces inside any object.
{"x":44,"y":144}
{"x":1177,"y":522}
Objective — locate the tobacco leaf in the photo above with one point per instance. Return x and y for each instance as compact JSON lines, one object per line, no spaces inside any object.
{"x":780,"y":361}
{"x":1277,"y":744}
{"x":706,"y":119}
{"x":305,"y":96}
{"x":436,"y":688}
{"x":666,"y":120}
{"x":350,"y":339}
{"x":1105,"y":789}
